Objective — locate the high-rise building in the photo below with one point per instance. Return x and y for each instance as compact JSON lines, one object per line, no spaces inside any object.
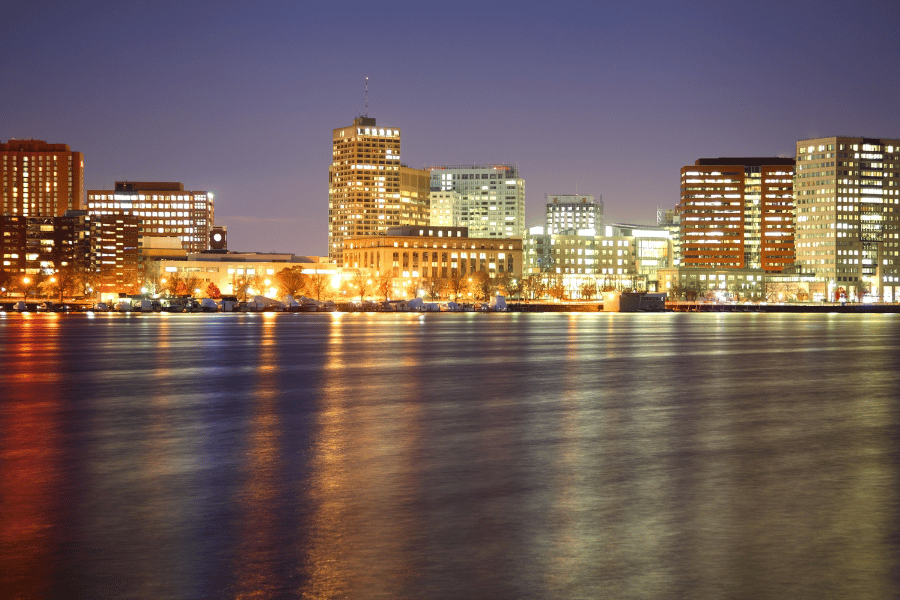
{"x":40,"y":179}
{"x":369,"y":189}
{"x":164,"y":208}
{"x":737,"y":213}
{"x":847,"y":193}
{"x":569,"y":214}
{"x":115,"y":253}
{"x":491,"y":200}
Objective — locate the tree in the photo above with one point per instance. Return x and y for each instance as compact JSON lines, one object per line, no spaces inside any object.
{"x":6,"y":279}
{"x":778,"y":291}
{"x":151,"y":279}
{"x":457,"y":284}
{"x":242,"y":284}
{"x":172,"y":283}
{"x":317,"y":284}
{"x":412,"y":288}
{"x":501,"y":283}
{"x":384,"y":284}
{"x":433,"y":287}
{"x":537,"y":286}
{"x":588,"y":289}
{"x":291,"y":281}
{"x":213,"y":291}
{"x":516,"y":287}
{"x":28,"y":285}
{"x":482,"y":286}
{"x":361,"y":283}
{"x":557,"y":288}
{"x":191,"y":285}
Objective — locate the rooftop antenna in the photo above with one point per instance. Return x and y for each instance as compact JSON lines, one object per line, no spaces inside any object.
{"x":367,"y":96}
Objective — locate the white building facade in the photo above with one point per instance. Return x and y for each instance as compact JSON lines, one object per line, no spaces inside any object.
{"x":491,"y":198}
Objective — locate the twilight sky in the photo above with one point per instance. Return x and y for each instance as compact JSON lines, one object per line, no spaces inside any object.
{"x":240,"y":98}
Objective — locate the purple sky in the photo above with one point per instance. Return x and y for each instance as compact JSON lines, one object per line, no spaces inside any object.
{"x":241,"y":98}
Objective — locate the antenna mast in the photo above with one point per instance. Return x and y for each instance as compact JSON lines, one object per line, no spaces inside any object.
{"x":367,"y":96}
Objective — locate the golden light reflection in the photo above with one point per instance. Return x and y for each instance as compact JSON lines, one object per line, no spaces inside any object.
{"x":365,"y":469}
{"x":29,"y":456}
{"x":257,"y":556}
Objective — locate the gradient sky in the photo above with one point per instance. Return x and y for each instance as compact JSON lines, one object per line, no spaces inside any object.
{"x":240,"y":98}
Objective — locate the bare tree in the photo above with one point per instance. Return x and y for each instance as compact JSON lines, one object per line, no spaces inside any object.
{"x":501,"y":283}
{"x":482,"y":285}
{"x":317,"y":284}
{"x":589,"y":289}
{"x":433,"y":287}
{"x":516,"y":287}
{"x":412,"y":288}
{"x":361,"y":283}
{"x":557,"y":288}
{"x":538,"y":285}
{"x":457,"y":284}
{"x":385,"y":284}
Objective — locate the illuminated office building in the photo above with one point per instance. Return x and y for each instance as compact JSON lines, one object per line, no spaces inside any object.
{"x":164,"y":209}
{"x":491,"y":201}
{"x":369,"y":189}
{"x":568,"y":214}
{"x":40,"y":179}
{"x":737,"y":213}
{"x":848,"y":234}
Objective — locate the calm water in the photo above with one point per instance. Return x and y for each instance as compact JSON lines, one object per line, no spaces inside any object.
{"x":450,"y":456}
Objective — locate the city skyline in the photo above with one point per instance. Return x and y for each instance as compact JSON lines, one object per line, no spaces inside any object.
{"x":607,"y":101}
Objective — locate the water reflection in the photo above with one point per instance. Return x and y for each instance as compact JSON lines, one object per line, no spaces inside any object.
{"x":448,"y":456}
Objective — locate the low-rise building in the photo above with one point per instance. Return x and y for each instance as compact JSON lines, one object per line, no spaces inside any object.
{"x":433,"y":253}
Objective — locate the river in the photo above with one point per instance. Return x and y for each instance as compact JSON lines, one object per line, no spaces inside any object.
{"x":582,"y":455}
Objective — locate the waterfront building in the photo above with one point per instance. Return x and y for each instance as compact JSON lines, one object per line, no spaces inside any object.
{"x":44,"y":244}
{"x":491,"y":201}
{"x":607,"y":261}
{"x":653,"y":248}
{"x":369,"y":189}
{"x":40,"y":179}
{"x":236,"y":273}
{"x":670,"y":221}
{"x":411,"y":254}
{"x":567,"y":214}
{"x":115,"y":253}
{"x":737,"y":213}
{"x":726,"y":283}
{"x":163,"y":208}
{"x":848,"y":205}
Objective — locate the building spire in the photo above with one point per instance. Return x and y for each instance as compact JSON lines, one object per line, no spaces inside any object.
{"x":367,"y":96}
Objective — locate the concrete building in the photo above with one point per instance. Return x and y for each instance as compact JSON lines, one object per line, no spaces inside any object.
{"x":163,"y":208}
{"x":33,"y":245}
{"x":115,"y":254}
{"x":848,"y":234}
{"x":653,"y":247}
{"x":442,"y":206}
{"x":727,"y":283}
{"x":737,"y":213}
{"x":238,"y":273}
{"x":567,"y":214}
{"x":491,"y":201}
{"x":369,"y":189}
{"x":434,"y":253}
{"x":40,"y":179}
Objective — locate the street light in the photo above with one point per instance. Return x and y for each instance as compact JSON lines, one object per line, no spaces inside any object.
{"x":25,"y":282}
